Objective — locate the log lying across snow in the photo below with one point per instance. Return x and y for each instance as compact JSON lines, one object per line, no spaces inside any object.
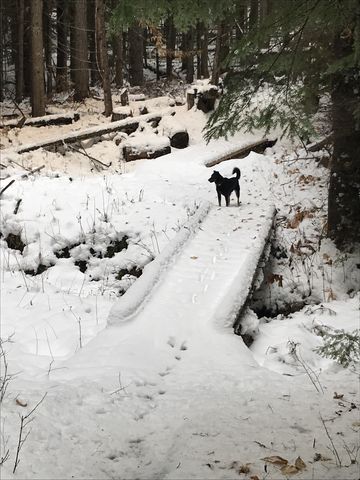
{"x":56,"y":119}
{"x":128,"y":126}
{"x":242,"y":152}
{"x":151,"y":146}
{"x":324,"y":142}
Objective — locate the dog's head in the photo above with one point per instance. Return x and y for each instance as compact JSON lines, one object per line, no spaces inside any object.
{"x":215,"y":177}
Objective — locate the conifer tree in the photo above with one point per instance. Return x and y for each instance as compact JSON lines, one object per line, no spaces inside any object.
{"x":313,"y":49}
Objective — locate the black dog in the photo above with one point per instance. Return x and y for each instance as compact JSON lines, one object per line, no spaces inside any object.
{"x":225,"y":186}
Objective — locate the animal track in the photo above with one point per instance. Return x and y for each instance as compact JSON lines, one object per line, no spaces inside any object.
{"x":183,"y":346}
{"x":172,"y":342}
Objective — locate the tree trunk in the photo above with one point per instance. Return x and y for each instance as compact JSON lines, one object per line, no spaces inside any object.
{"x":119,"y":59}
{"x":136,"y":55}
{"x":27,"y":50}
{"x":240,"y":24}
{"x":170,"y":34}
{"x":1,"y":64}
{"x":81,"y":74}
{"x":202,"y":45}
{"x":216,"y":64}
{"x":184,"y":57}
{"x":254,"y":14}
{"x":102,"y":55}
{"x":71,"y":7}
{"x":47,"y":20}
{"x":344,"y":188}
{"x":190,"y":55}
{"x":20,"y":51}
{"x":145,"y":40}
{"x":93,"y":56}
{"x":38,"y":90}
{"x":62,"y":45}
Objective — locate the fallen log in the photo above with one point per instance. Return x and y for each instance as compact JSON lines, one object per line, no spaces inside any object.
{"x":6,"y":187}
{"x":316,"y":146}
{"x":31,"y":172}
{"x":16,"y":209}
{"x":258,"y":147}
{"x":152,"y":147}
{"x":128,"y":126}
{"x":56,"y":119}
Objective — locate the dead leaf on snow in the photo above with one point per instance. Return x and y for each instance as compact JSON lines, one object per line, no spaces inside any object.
{"x":276,"y":460}
{"x":289,"y":470}
{"x":300,"y":464}
{"x":194,"y":257}
{"x":254,"y":477}
{"x":244,"y":469}
{"x":319,"y":457}
{"x":20,"y":403}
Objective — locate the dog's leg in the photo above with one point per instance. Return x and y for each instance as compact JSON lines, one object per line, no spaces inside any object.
{"x":227,"y":200}
{"x":238,"y":196}
{"x":219,"y":198}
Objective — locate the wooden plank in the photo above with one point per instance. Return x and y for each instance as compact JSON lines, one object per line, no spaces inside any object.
{"x":242,"y":152}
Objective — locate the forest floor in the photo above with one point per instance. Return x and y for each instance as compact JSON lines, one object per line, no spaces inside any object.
{"x":118,"y":290}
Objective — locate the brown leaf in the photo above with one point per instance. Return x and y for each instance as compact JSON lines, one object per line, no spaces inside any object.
{"x":194,"y":257}
{"x":276,"y":460}
{"x":300,"y":464}
{"x":20,"y":403}
{"x":244,"y":469}
{"x":254,"y":477}
{"x":289,"y":470}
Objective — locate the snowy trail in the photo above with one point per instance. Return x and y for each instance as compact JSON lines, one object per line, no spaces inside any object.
{"x":178,"y":354}
{"x":196,"y":300}
{"x":166,"y":390}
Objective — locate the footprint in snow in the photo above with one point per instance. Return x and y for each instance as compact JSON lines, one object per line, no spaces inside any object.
{"x":183,"y":346}
{"x":171,"y":341}
{"x":166,"y":372}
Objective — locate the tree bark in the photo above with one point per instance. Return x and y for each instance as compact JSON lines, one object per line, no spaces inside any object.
{"x":93,"y":60}
{"x":27,"y":50}
{"x":170,"y":34}
{"x":190,"y":55}
{"x":20,"y":51}
{"x":119,"y":59}
{"x":81,"y":64}
{"x":136,"y":55}
{"x":47,"y":21}
{"x":202,"y":45}
{"x":344,"y":188}
{"x":216,"y":63}
{"x":102,"y":55}
{"x":62,"y":45}
{"x":38,"y":90}
{"x":254,"y":14}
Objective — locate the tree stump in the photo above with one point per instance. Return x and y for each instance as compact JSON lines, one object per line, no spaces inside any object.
{"x":124,"y":97}
{"x":121,"y":113}
{"x":206,"y":100}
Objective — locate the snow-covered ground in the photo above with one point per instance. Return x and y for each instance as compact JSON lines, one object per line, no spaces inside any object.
{"x":152,"y":383}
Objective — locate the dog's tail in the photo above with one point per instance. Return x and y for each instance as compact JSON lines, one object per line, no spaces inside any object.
{"x":237,"y":171}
